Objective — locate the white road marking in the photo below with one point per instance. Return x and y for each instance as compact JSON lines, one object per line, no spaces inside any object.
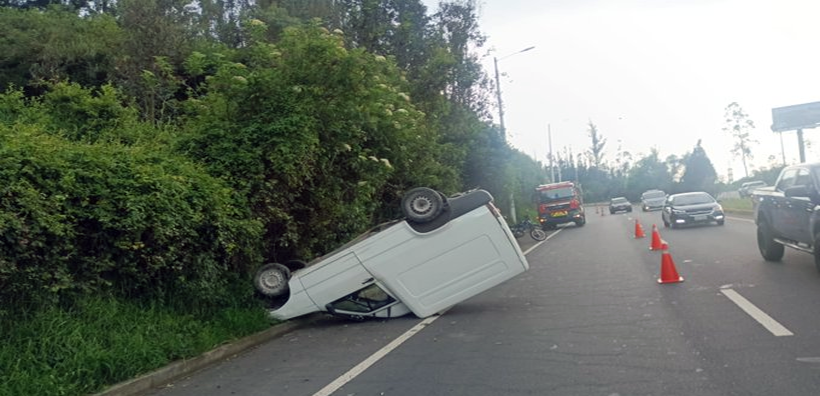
{"x":376,"y":356}
{"x":767,"y":321}
{"x":365,"y":364}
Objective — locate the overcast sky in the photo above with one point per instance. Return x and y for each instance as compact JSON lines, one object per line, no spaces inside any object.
{"x":652,"y":73}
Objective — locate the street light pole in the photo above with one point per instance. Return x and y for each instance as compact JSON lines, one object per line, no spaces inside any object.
{"x":501,"y":116}
{"x":498,"y":91}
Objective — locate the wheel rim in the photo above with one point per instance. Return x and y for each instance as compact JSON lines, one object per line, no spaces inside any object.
{"x":272,"y":280}
{"x":421,"y":205}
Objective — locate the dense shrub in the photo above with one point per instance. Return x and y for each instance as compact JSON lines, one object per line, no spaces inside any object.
{"x":319,"y":138}
{"x":78,"y":219}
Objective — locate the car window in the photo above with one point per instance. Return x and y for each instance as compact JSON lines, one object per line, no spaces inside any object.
{"x":619,"y":200}
{"x":556,"y":194}
{"x":367,"y":299}
{"x":692,"y":199}
{"x":787,"y":180}
{"x":803,"y":178}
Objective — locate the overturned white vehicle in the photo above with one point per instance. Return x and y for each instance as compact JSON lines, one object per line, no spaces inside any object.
{"x":445,"y":251}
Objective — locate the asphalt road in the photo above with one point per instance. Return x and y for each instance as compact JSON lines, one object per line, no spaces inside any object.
{"x":588,"y":318}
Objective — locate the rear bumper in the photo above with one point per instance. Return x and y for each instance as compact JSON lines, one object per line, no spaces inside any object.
{"x":571,"y":217}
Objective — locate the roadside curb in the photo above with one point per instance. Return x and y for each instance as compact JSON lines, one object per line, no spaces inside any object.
{"x":162,"y":376}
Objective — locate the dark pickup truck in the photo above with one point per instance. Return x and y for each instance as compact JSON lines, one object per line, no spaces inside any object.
{"x":788,"y":213}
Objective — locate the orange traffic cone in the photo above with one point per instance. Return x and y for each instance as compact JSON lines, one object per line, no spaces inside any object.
{"x":668,"y":272}
{"x":638,"y":230}
{"x":656,"y":239}
{"x":596,"y":209}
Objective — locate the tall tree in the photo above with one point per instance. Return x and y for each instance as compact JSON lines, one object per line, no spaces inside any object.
{"x":738,"y":126}
{"x":699,"y":174}
{"x":596,"y":150}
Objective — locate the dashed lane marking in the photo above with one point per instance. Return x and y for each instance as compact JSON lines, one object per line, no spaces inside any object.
{"x":756,"y":313}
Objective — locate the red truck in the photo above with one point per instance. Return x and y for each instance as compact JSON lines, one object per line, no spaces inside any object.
{"x":559,"y":203}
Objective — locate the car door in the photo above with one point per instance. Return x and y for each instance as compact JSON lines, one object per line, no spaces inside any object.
{"x":780,"y":214}
{"x":799,"y":209}
{"x":339,"y":276}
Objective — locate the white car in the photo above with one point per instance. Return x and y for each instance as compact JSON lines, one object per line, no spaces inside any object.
{"x":445,"y":251}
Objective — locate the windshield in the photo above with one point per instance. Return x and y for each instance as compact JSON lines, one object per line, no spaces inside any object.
{"x":694,"y":199}
{"x":555,"y":194}
{"x":654,"y":194}
{"x":619,"y":200}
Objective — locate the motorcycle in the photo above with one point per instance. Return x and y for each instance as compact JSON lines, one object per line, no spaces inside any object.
{"x":528,"y":225}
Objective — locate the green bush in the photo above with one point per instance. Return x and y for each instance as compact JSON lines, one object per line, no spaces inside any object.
{"x":319,"y":138}
{"x":80,"y":219}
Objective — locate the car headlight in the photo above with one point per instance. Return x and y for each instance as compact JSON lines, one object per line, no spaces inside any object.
{"x":678,"y":211}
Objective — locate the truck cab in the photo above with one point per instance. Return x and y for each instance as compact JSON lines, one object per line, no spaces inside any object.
{"x":559,"y":203}
{"x":788,"y":214}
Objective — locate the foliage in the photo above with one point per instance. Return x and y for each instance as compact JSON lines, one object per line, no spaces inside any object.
{"x":82,"y":219}
{"x":699,"y":174}
{"x":738,"y":126}
{"x":596,"y":150}
{"x":315,"y":142}
{"x":101,"y":341}
{"x":37,"y":47}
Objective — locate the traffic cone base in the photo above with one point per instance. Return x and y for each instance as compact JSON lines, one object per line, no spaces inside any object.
{"x":638,"y":230}
{"x":668,"y":272}
{"x":656,"y":239}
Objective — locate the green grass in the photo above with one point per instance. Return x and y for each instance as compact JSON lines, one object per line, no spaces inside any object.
{"x":741,"y":205}
{"x":101,"y":342}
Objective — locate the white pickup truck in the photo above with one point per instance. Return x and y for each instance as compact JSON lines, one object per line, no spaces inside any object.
{"x":445,"y":251}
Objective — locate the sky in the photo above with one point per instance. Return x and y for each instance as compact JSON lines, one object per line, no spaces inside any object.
{"x":652,"y":74}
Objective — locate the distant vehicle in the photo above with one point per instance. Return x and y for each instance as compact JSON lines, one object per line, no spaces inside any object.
{"x":445,"y":251}
{"x":787,"y":213}
{"x":691,"y":208}
{"x":619,"y":204}
{"x":747,"y":188}
{"x":652,"y":200}
{"x":559,"y":203}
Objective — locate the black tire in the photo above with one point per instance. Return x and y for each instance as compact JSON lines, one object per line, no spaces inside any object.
{"x":271,"y":280}
{"x":518,"y":233}
{"x":721,"y":222}
{"x":629,"y":210}
{"x":769,"y":249}
{"x":580,"y":222}
{"x":611,"y":211}
{"x":422,"y":205}
{"x":538,"y":234}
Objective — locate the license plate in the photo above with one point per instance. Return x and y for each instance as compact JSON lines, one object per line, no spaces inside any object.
{"x":700,"y":217}
{"x":559,"y":213}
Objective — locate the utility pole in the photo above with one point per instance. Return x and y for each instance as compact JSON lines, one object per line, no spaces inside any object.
{"x":552,"y":166}
{"x":501,"y":117}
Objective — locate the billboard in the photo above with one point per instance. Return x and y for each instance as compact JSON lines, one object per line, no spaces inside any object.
{"x":790,"y":118}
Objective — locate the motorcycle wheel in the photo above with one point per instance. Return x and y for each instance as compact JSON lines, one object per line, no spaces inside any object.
{"x":538,"y":234}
